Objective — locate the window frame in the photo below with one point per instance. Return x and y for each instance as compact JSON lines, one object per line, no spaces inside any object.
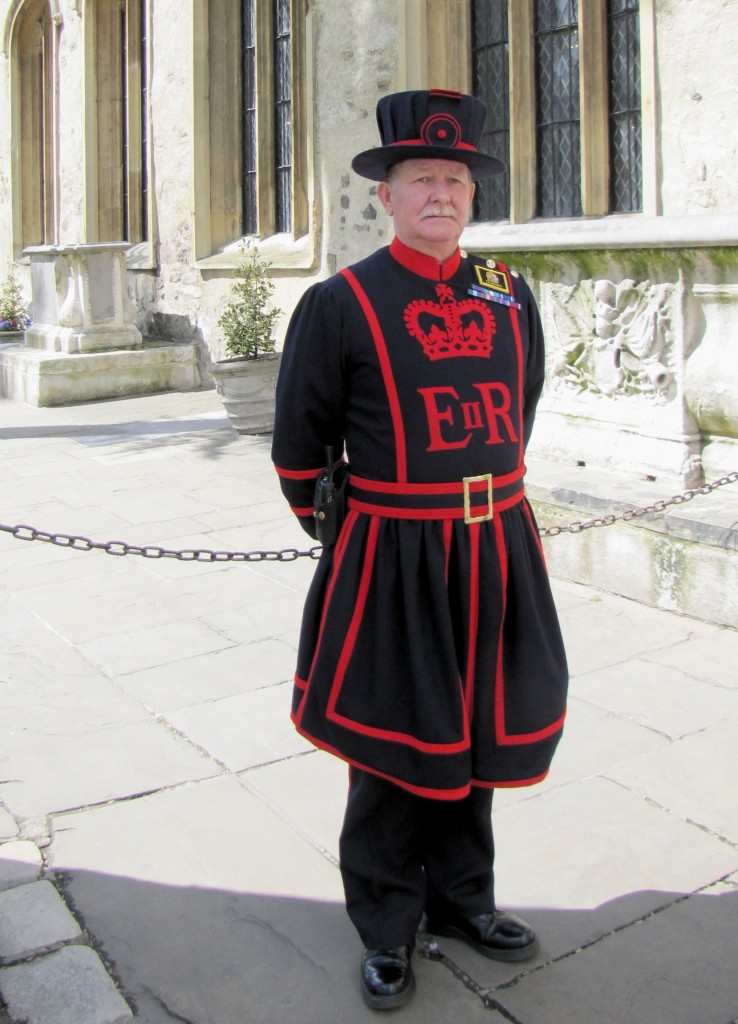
{"x":454,"y":69}
{"x":128,"y":117}
{"x":215,"y":246}
{"x":33,"y":117}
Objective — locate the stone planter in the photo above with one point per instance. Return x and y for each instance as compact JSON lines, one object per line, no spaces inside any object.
{"x":247,"y":388}
{"x":12,"y":337}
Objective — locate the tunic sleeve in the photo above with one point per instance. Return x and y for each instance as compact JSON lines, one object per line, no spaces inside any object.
{"x":535,"y":367}
{"x":310,"y":399}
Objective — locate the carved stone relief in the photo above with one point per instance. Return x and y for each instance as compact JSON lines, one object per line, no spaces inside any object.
{"x":613,"y":339}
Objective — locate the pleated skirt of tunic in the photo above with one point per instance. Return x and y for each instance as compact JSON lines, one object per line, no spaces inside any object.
{"x":431,"y":653}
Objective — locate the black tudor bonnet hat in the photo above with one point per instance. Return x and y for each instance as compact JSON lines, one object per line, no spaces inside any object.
{"x":437,"y":123}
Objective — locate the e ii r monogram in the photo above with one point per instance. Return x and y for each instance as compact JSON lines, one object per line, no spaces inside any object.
{"x":451,"y":420}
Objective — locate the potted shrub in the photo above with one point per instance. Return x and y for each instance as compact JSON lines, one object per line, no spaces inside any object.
{"x":13,"y":316}
{"x":247,"y":378}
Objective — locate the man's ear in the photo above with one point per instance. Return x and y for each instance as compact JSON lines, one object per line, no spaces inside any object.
{"x":384,"y":194}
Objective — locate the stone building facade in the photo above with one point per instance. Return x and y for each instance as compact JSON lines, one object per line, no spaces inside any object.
{"x":184,"y":127}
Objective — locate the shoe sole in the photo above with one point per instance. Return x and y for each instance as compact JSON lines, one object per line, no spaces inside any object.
{"x":389,"y":1002}
{"x":449,"y":931}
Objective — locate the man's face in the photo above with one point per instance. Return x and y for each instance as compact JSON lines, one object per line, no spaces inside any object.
{"x":430,"y":202}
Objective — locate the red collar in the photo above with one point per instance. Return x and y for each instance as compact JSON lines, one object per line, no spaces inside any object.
{"x":425,"y":266}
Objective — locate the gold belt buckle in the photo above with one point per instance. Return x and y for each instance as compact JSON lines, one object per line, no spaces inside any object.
{"x":485,"y":516}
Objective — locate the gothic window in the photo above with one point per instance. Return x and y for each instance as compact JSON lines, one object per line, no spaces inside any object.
{"x":256,"y":157}
{"x":119,"y":30}
{"x":562,"y":80}
{"x":34,"y":165}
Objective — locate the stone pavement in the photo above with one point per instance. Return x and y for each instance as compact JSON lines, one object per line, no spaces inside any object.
{"x":169,"y":842}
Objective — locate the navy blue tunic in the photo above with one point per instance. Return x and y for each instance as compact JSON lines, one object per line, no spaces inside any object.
{"x":430,"y":651}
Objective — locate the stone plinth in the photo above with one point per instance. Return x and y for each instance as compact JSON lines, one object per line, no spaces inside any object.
{"x":50,"y":378}
{"x":80,"y":299}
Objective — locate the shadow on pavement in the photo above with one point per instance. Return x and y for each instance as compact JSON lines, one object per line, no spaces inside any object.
{"x":208,"y":956}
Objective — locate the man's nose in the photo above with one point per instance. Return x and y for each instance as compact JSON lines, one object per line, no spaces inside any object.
{"x":441,"y":193}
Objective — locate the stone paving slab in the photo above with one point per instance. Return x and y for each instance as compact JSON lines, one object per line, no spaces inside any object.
{"x":676,"y":967}
{"x":695,"y":776}
{"x":70,"y":986}
{"x":265,"y":733}
{"x":65,"y":772}
{"x":20,"y":863}
{"x":147,"y":746}
{"x":33,"y":918}
{"x":8,"y":825}
{"x":152,"y":645}
{"x":234,"y":917}
{"x":596,"y":847}
{"x":661,"y":697}
{"x":212,"y":676}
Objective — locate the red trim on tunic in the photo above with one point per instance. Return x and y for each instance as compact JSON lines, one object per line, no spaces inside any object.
{"x":504,"y":738}
{"x":384,"y":362}
{"x":447,"y":534}
{"x":452,"y":487}
{"x":432,"y":794}
{"x":520,"y":739}
{"x":337,"y":559}
{"x":536,"y":534}
{"x":299,"y":474}
{"x":510,"y":785}
{"x":471,"y":656}
{"x":307,"y":511}
{"x":346,"y":654}
{"x":499,"y":674}
{"x":393,"y":512}
{"x":519,"y":347}
{"x":423,"y":265}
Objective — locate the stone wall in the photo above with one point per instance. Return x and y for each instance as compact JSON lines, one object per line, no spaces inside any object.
{"x":641,"y":313}
{"x":642,"y":354}
{"x":697,"y":151}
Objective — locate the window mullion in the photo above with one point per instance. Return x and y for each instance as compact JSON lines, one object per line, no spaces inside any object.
{"x":593,"y":106}
{"x":522,"y":112}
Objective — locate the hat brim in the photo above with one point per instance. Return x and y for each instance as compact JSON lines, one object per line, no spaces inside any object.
{"x":374,"y":163}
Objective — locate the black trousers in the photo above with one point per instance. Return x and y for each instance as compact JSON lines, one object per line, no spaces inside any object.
{"x":402,"y":854}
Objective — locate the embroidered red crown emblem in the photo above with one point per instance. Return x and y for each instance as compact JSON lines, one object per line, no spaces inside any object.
{"x":449,"y":328}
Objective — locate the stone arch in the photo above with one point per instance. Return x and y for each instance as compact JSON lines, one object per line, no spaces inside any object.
{"x":14,"y":10}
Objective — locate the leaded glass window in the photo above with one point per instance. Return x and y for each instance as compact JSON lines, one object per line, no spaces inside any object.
{"x":625,"y":106}
{"x":249,"y":208}
{"x":134,"y":122}
{"x":283,"y":114}
{"x":558,"y":144}
{"x":491,"y":83}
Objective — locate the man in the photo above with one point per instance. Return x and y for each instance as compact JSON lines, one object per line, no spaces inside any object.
{"x":430,"y":656}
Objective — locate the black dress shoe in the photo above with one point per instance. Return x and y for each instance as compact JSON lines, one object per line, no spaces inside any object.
{"x":498,"y":936}
{"x":387,"y":979}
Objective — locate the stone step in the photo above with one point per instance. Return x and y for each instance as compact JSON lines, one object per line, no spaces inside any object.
{"x":681,"y":558}
{"x":44,"y":378}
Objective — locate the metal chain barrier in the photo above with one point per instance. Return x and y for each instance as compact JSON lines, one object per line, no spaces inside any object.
{"x":637,"y":513}
{"x":120,"y":548}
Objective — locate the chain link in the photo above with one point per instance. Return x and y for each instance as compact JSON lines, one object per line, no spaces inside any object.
{"x":637,"y":513}
{"x":119,"y":548}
